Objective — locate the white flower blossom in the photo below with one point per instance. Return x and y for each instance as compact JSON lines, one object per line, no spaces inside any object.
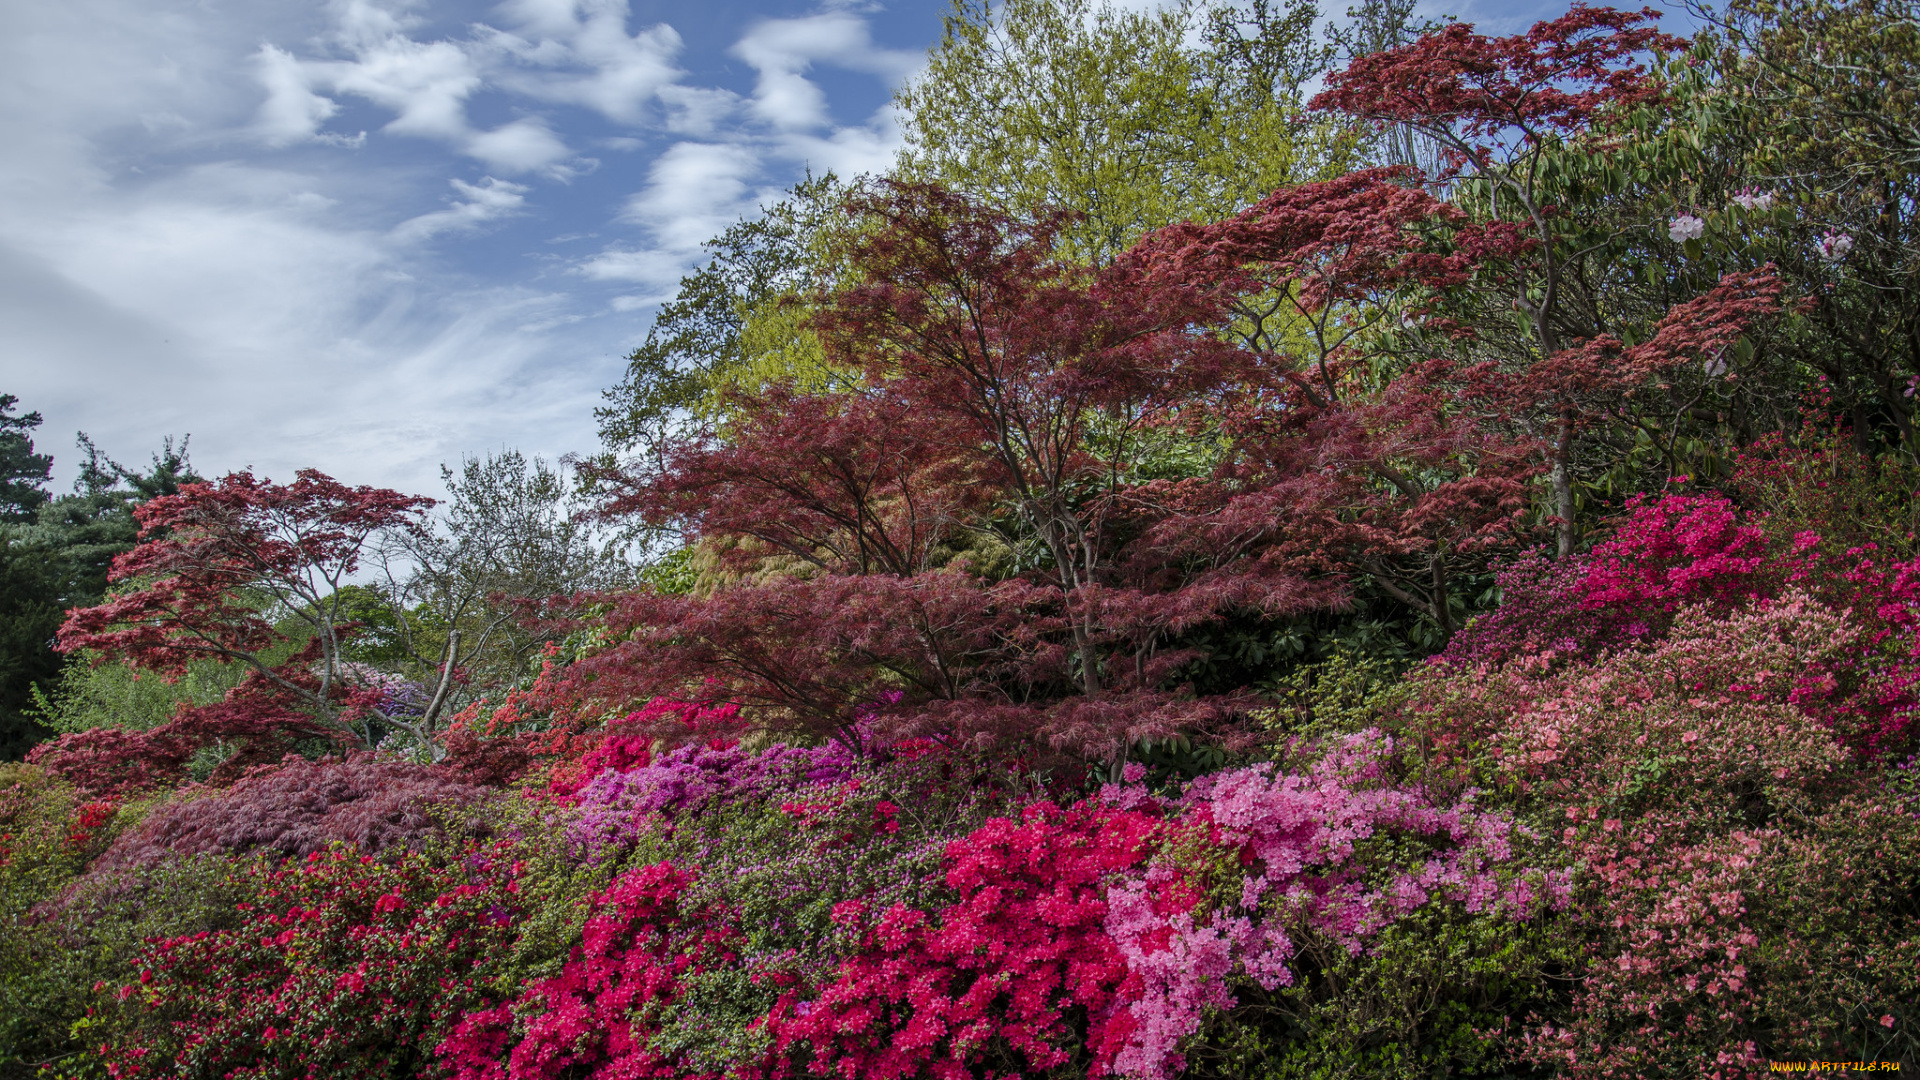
{"x":1834,"y":246}
{"x":1686,"y":227}
{"x":1753,"y":200}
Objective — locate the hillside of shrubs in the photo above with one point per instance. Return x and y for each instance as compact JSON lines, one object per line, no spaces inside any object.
{"x":1452,"y":611}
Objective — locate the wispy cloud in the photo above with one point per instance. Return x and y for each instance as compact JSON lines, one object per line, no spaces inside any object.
{"x":581,"y":54}
{"x":320,"y":235}
{"x":783,"y":50}
{"x":489,"y":200}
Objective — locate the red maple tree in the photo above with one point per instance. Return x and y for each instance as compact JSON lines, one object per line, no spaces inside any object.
{"x":1499,"y":108}
{"x":976,"y":541}
{"x":243,"y":571}
{"x":1379,"y":463}
{"x":1006,"y":409}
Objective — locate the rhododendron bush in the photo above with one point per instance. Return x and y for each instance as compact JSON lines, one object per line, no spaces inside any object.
{"x":1703,"y":553}
{"x":1695,"y":779}
{"x":342,"y":964}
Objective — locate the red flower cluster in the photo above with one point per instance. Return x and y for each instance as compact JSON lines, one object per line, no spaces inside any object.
{"x":343,"y":966}
{"x":594,"y":1020}
{"x":991,"y":980}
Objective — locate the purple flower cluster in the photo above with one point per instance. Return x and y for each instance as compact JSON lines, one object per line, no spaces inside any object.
{"x":1302,"y":838}
{"x":692,"y":778}
{"x":399,"y":695}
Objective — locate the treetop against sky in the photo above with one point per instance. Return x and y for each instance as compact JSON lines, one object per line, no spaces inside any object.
{"x":370,"y":235}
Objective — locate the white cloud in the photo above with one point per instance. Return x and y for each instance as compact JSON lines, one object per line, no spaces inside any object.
{"x":782,"y":50}
{"x":694,"y":191}
{"x":521,"y":146}
{"x":183,"y":249}
{"x":849,"y":151}
{"x":697,"y":110}
{"x":611,"y":72}
{"x":693,"y":181}
{"x":154,"y":280}
{"x":425,"y":84}
{"x":489,"y":200}
{"x":292,"y":111}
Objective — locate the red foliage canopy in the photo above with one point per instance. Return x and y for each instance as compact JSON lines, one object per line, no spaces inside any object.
{"x":1554,"y":78}
{"x":1004,"y":395}
{"x":298,"y":809}
{"x":218,"y":560}
{"x":220,"y":569}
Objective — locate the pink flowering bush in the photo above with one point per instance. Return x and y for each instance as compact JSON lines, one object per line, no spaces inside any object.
{"x":1688,"y":552}
{"x":694,"y":778}
{"x":765,"y":851}
{"x":1696,"y":781}
{"x":1722,"y":952}
{"x":793,"y":913}
{"x":1264,"y":866}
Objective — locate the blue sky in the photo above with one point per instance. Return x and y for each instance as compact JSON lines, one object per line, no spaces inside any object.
{"x":370,"y":235}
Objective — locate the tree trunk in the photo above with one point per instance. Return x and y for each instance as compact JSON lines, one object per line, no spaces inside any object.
{"x":1562,"y":479}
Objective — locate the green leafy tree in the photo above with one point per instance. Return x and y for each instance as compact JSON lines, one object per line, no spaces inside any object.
{"x":84,"y":530}
{"x":1110,"y":113}
{"x":454,"y":606}
{"x":738,"y":321}
{"x":1816,"y":108}
{"x":60,"y":561}
{"x":30,"y":613}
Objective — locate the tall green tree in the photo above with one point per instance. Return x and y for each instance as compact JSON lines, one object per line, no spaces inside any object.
{"x":1817,"y":106}
{"x":1117,"y":115}
{"x":454,"y":602}
{"x":736,"y":322}
{"x":30,"y":613}
{"x":83,"y":531}
{"x":30,"y":607}
{"x":59,"y":561}
{"x":23,"y":473}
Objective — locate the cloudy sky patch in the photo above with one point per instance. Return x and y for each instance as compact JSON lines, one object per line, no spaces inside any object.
{"x":373,"y":235}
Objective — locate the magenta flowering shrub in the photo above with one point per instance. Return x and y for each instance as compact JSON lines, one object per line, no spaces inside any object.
{"x":343,"y":966}
{"x":1677,"y":549}
{"x":629,"y":742}
{"x":597,"y":1018}
{"x":1699,"y":552}
{"x":890,"y":924}
{"x":1665,"y":553}
{"x":989,"y":980}
{"x":762,"y":860}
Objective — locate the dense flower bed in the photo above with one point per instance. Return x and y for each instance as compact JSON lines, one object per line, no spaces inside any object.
{"x":1657,"y":814}
{"x":1644,"y":816}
